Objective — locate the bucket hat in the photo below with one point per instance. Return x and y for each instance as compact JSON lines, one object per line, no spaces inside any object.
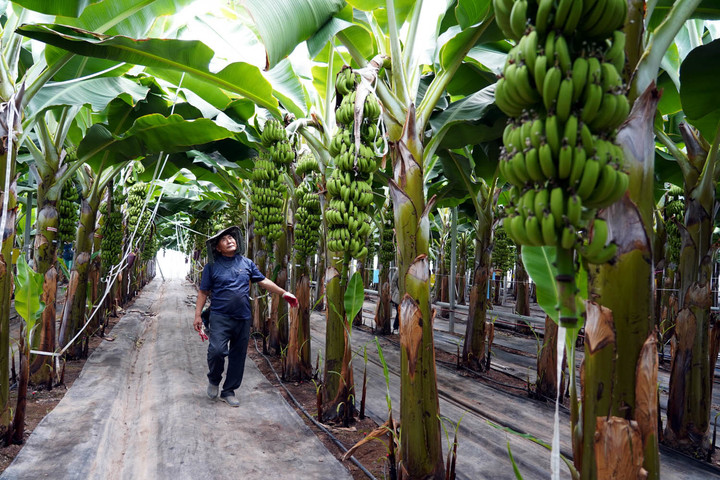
{"x":212,"y":242}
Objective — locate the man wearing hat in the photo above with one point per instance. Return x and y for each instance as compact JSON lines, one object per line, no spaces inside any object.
{"x":226,"y":279}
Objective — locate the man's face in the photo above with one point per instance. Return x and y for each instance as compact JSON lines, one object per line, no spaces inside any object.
{"x":227,"y":245}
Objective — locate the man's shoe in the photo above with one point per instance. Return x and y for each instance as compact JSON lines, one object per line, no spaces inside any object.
{"x":213,"y":390}
{"x":231,"y":400}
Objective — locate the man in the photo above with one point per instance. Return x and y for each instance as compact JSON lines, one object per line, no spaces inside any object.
{"x":226,"y":278}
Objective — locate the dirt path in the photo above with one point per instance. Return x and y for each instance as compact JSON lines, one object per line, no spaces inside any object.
{"x":139,"y":411}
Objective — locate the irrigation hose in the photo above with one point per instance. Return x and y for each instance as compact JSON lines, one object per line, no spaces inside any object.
{"x":311,"y":418}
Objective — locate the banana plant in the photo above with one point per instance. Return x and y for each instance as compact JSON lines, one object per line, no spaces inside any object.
{"x":28,"y":287}
{"x":688,"y":425}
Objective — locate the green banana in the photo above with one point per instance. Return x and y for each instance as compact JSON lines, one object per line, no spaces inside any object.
{"x":551,"y":86}
{"x":606,"y":254}
{"x":574,"y":210}
{"x":588,"y":179}
{"x":518,"y":18}
{"x":564,"y":100}
{"x":599,"y":238}
{"x":571,"y":130}
{"x":547,"y":165}
{"x":568,"y":238}
{"x":561,"y":13}
{"x":532,"y":165}
{"x":579,"y":77}
{"x":502,"y":16}
{"x":611,"y":79}
{"x":573,"y":18}
{"x":547,"y":226}
{"x":540,"y":71}
{"x":537,"y":129}
{"x":530,"y":48}
{"x":542,"y":202}
{"x":615,"y":54}
{"x":565,"y":158}
{"x":562,"y":53}
{"x":557,"y":205}
{"x":577,"y":166}
{"x":533,"y":232}
{"x":605,"y":113}
{"x":594,"y":96}
{"x":622,"y":181}
{"x":552,"y":133}
{"x":542,"y":18}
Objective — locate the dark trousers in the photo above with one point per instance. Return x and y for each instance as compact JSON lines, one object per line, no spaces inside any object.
{"x":229,"y":337}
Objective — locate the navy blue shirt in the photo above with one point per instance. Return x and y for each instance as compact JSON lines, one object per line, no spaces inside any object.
{"x":228,"y":281}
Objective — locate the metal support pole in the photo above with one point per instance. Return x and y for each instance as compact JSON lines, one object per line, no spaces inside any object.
{"x":453,"y":258}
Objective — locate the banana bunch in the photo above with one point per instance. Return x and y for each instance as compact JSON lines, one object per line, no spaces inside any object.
{"x":152,"y":244}
{"x":267,"y":189}
{"x":136,"y":216}
{"x":307,"y":218}
{"x":387,"y":244}
{"x":349,"y":186}
{"x":596,"y":19}
{"x":68,"y":213}
{"x":112,"y":231}
{"x":307,"y":164}
{"x":563,"y":90}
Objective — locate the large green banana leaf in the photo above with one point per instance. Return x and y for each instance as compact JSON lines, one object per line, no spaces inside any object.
{"x":69,"y":8}
{"x":28,"y":288}
{"x":189,"y":57}
{"x":699,"y":94}
{"x":150,"y":134}
{"x":96,"y":92}
{"x":132,"y":18}
{"x":281,"y":36}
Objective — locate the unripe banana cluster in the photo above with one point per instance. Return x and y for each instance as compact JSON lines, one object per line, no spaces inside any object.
{"x":349,"y":185}
{"x":563,"y":89}
{"x":307,"y":218}
{"x":151,"y":245}
{"x":112,"y":231}
{"x":307,"y":164}
{"x":387,"y":246}
{"x":674,"y":213}
{"x":136,"y":216}
{"x":68,"y":213}
{"x":268,"y":190}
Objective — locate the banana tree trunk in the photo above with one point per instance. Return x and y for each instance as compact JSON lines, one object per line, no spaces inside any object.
{"x":421,"y":447}
{"x":689,"y":399}
{"x":383,"y":312}
{"x":522,"y":302}
{"x":338,"y":382}
{"x":546,"y":384}
{"x":626,"y":289}
{"x":298,"y":366}
{"x":474,"y":345}
{"x":73,"y":314}
{"x":259,"y":300}
{"x":278,"y":326}
{"x":668,"y":310}
{"x":318,"y":300}
{"x":45,"y":256}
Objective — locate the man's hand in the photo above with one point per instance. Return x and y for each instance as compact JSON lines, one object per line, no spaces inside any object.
{"x":197,"y":324}
{"x":290,"y":299}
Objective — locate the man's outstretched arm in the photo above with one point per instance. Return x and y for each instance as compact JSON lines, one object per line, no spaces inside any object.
{"x":272,"y":287}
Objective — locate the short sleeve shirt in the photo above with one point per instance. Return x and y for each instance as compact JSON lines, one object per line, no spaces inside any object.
{"x":228,"y":281}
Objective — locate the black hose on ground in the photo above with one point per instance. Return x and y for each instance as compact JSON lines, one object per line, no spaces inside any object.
{"x":312,"y":419}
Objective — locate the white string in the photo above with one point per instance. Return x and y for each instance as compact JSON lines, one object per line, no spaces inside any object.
{"x":555,"y":452}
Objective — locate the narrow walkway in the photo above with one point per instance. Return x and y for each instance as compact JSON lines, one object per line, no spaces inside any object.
{"x":139,"y":411}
